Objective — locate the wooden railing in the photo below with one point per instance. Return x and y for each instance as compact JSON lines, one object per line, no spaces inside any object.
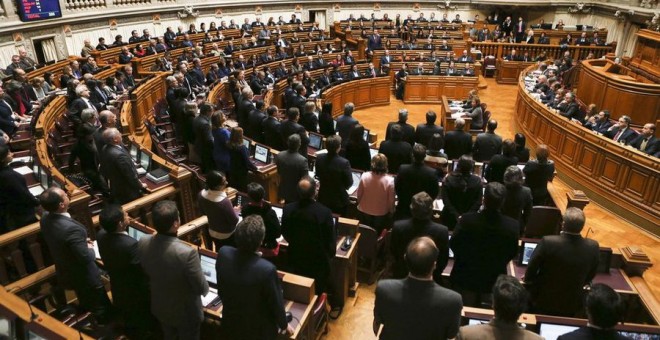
{"x":501,"y":50}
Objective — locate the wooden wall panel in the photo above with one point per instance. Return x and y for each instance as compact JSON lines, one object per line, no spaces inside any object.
{"x":588,"y":160}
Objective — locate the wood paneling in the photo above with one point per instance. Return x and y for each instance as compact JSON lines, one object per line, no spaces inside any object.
{"x":430,"y":89}
{"x":363,"y":93}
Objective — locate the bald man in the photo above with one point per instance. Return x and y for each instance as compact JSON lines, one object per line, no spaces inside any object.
{"x":118,"y":168}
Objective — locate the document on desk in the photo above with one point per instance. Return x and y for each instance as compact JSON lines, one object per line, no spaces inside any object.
{"x":209,"y":297}
{"x":97,"y":254}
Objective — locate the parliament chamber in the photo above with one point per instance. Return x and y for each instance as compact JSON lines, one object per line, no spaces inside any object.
{"x":548,"y":72}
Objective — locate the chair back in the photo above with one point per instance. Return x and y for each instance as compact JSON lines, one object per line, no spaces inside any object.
{"x":368,"y":245}
{"x":543,"y":221}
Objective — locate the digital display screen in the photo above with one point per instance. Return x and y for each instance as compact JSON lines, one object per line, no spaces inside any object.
{"x":451,"y":252}
{"x":366,"y":135}
{"x":246,"y":143}
{"x":135,"y":233}
{"x":315,"y":141}
{"x":261,"y":153}
{"x":134,"y":151}
{"x":43,"y":178}
{"x":527,"y":251}
{"x":208,"y":269}
{"x":552,"y":332}
{"x":33,"y":10}
{"x":640,"y":335}
{"x":145,"y":160}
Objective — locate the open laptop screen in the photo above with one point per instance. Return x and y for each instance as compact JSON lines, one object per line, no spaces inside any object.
{"x":315,"y":141}
{"x":552,"y":331}
{"x":246,"y":143}
{"x":526,"y":252}
{"x":208,"y":269}
{"x":261,"y":153}
{"x":134,"y":150}
{"x":145,"y":160}
{"x":135,"y":233}
{"x":366,"y":135}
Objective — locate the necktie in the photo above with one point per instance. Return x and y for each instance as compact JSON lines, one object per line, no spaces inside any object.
{"x":618,"y":135}
{"x":643,"y":145}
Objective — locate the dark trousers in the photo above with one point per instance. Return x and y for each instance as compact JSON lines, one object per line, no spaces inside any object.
{"x":377,"y":222}
{"x":474,"y":299}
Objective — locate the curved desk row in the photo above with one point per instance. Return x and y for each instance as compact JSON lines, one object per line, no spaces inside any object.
{"x":608,"y":85}
{"x":366,"y":92}
{"x":622,"y":179}
{"x":431,"y":89}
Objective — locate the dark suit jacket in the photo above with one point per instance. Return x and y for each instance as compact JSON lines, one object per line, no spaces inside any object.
{"x":652,"y":145}
{"x":424,"y":132}
{"x":6,"y":119}
{"x":272,"y":135}
{"x":412,"y":179}
{"x":486,"y":146}
{"x":309,"y":121}
{"x":130,"y":289}
{"x":407,"y":130}
{"x":345,"y":125}
{"x":203,"y":141}
{"x":537,"y":176}
{"x":460,"y":195}
{"x":483,"y":244}
{"x":243,"y":111}
{"x":358,"y":154}
{"x":309,"y":228}
{"x":409,"y":229}
{"x":560,"y":266}
{"x":457,"y":144}
{"x":74,"y":260}
{"x":118,"y":168}
{"x":289,"y":127}
{"x":76,"y":108}
{"x":416,"y":309}
{"x":176,"y":279}
{"x":291,"y":167}
{"x":572,"y":111}
{"x":253,"y":127}
{"x":252,"y":302}
{"x":626,"y":137}
{"x":16,"y":202}
{"x":334,"y":174}
{"x":497,"y":166}
{"x":590,"y":333}
{"x":518,"y":204}
{"x":397,"y":153}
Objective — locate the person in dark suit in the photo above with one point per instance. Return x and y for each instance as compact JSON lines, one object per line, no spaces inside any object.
{"x":519,"y":30}
{"x":308,"y":118}
{"x":79,"y":104}
{"x":271,"y":129}
{"x":570,"y":109}
{"x":396,"y":150}
{"x":108,"y":120}
{"x":73,"y":254}
{"x":601,"y":122}
{"x":461,"y":192}
{"x":254,"y":124}
{"x":458,"y":142}
{"x":291,"y":126}
{"x":252,"y":301}
{"x":375,"y":41}
{"x":310,"y":230}
{"x":175,"y":275}
{"x":130,"y":289}
{"x":583,"y":40}
{"x":419,"y":224}
{"x":416,"y":307}
{"x":407,"y":130}
{"x":500,"y":162}
{"x":334,"y":174}
{"x":487,"y":143}
{"x":118,"y":168}
{"x":538,"y":173}
{"x":86,"y":152}
{"x":621,"y":131}
{"x":509,"y":302}
{"x":560,"y":267}
{"x":8,"y":119}
{"x":257,"y":205}
{"x":412,"y":179}
{"x":424,"y":132}
{"x":245,"y":106}
{"x":483,"y":243}
{"x":518,"y":201}
{"x":17,"y":204}
{"x":298,"y":99}
{"x":357,"y":150}
{"x":203,"y":137}
{"x":603,"y":308}
{"x":646,"y":141}
{"x":292,"y":167}
{"x":346,"y":122}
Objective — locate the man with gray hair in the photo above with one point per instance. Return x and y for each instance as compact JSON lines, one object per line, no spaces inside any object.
{"x":253,"y":305}
{"x":118,"y":168}
{"x":107,"y":120}
{"x":79,"y":104}
{"x":292,"y":167}
{"x":621,"y":131}
{"x":346,"y":122}
{"x":561,"y":266}
{"x":404,"y":231}
{"x":407,"y":130}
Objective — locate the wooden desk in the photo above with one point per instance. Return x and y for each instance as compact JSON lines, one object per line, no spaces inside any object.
{"x":363,"y":93}
{"x":448,"y":122}
{"x":430,"y":89}
{"x":508,"y":72}
{"x":553,"y":51}
{"x":623,"y":180}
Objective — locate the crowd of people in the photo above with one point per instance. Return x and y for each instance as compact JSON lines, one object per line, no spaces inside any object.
{"x":158,"y":280}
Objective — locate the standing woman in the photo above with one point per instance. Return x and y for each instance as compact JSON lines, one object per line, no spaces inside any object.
{"x":240,"y":161}
{"x":375,"y":195}
{"x":538,"y":172}
{"x":357,"y":149}
{"x":220,"y":143}
{"x":522,"y":152}
{"x":326,"y":123}
{"x":213,"y":203}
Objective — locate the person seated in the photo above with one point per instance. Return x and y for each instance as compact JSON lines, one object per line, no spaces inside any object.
{"x":465,"y":58}
{"x":646,"y":141}
{"x":512,"y":56}
{"x":603,"y":308}
{"x":621,"y":131}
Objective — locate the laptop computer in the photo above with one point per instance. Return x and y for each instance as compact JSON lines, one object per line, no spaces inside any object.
{"x":261,"y":154}
{"x":526,"y":250}
{"x":553,"y":331}
{"x":207,"y":261}
{"x":366,"y":135}
{"x":135,"y":233}
{"x":356,"y":181}
{"x":315,"y":141}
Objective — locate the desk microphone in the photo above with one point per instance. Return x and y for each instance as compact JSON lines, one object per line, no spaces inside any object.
{"x":590,"y":230}
{"x":33,"y":315}
{"x":80,"y":335}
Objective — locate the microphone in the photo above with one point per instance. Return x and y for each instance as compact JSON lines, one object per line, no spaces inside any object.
{"x":590,"y":230}
{"x":80,"y":334}
{"x":33,"y":315}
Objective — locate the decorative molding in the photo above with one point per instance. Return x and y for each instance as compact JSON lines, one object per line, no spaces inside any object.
{"x":67,"y":31}
{"x":377,"y":7}
{"x":336,"y":7}
{"x":156,"y":19}
{"x":298,"y":8}
{"x":446,"y":5}
{"x":580,"y":8}
{"x":187,"y":11}
{"x":416,"y":7}
{"x":218,"y":13}
{"x":17,"y":37}
{"x":113,"y":24}
{"x":258,"y":10}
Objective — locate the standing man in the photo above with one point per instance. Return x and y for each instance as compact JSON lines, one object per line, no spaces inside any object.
{"x":118,"y":168}
{"x":310,"y":230}
{"x":130,"y":289}
{"x":290,"y":126}
{"x":374,"y":41}
{"x":520,"y":30}
{"x":17,"y":204}
{"x":396,"y":150}
{"x":424,"y":132}
{"x":346,"y":122}
{"x":335,"y":177}
{"x":458,"y":142}
{"x":292,"y":167}
{"x":483,"y":243}
{"x":416,"y":307}
{"x":253,"y":306}
{"x":412,"y":179}
{"x":560,"y":267}
{"x":175,"y":275}
{"x":73,"y":254}
{"x":203,"y":137}
{"x":407,"y":130}
{"x":487,"y":144}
